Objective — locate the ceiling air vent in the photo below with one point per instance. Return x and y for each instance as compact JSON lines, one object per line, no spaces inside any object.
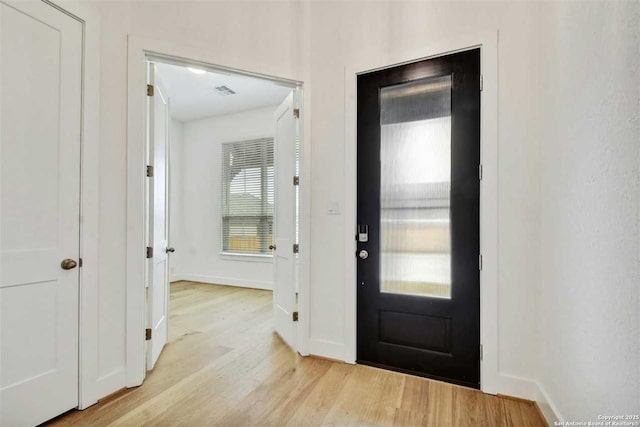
{"x":223,"y":91}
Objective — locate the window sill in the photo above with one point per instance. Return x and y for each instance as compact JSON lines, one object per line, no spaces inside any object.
{"x":230,"y":256}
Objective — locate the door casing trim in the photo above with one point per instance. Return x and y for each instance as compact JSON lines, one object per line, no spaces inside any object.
{"x":373,"y":61}
{"x":88,"y":381}
{"x":139,"y":51}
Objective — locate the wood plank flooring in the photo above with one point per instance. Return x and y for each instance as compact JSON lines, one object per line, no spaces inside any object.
{"x":224,"y":366}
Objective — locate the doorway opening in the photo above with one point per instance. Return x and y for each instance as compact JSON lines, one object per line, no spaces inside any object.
{"x":222,"y":220}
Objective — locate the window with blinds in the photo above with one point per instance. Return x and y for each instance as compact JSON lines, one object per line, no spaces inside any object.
{"x":247,"y":196}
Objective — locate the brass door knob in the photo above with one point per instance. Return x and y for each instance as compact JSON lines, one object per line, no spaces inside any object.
{"x":272,"y":247}
{"x":68,"y":264}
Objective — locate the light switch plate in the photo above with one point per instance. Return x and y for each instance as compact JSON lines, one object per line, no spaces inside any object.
{"x":333,"y":208}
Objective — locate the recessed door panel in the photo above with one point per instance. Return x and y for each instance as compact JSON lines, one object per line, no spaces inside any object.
{"x":416,"y":330}
{"x":418,"y":199}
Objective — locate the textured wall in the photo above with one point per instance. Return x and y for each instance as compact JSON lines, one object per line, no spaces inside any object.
{"x":589,"y":284}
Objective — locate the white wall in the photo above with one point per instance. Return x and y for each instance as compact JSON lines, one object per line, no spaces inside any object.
{"x":589,"y":282}
{"x":202,"y":202}
{"x":568,"y":159}
{"x":176,"y":198}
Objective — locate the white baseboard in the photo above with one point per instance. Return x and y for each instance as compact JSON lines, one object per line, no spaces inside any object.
{"x":329,"y":349}
{"x":175,"y":278}
{"x":228,"y":281}
{"x":524,"y":388}
{"x":512,"y":385}
{"x":547,"y":406}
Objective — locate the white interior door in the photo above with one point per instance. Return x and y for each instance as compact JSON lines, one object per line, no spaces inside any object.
{"x":158,"y":283}
{"x":40,"y":131}
{"x":284,"y":284}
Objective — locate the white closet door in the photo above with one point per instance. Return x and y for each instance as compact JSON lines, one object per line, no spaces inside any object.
{"x":40,"y":131}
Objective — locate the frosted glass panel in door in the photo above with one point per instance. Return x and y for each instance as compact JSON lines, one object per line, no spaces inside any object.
{"x":415,"y":182}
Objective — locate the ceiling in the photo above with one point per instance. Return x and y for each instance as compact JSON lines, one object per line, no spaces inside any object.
{"x":193,"y":96}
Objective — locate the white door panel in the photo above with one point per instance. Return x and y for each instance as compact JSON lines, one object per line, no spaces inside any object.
{"x":40,"y":130}
{"x":158,"y":219}
{"x":284,"y":286}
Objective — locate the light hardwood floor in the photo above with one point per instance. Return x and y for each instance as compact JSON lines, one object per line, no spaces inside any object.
{"x":223,"y":365}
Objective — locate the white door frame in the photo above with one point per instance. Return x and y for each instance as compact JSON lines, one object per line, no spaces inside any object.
{"x":88,"y":392}
{"x":89,"y":198}
{"x":139,"y":51}
{"x":488,"y":43}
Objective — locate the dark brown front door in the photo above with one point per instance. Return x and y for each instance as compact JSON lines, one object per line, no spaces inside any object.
{"x":419,"y":218}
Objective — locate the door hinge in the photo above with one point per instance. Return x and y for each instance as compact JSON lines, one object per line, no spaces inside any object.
{"x":296,"y":180}
{"x":296,"y":113}
{"x":480,"y":262}
{"x":79,"y":262}
{"x":481,"y":83}
{"x":481,"y":352}
{"x":295,"y":316}
{"x":149,"y":90}
{"x":147,"y":334}
{"x":480,"y":171}
{"x":149,"y":171}
{"x":149,"y":252}
{"x":296,"y":248}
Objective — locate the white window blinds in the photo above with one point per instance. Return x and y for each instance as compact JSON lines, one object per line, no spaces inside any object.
{"x":247,"y":196}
